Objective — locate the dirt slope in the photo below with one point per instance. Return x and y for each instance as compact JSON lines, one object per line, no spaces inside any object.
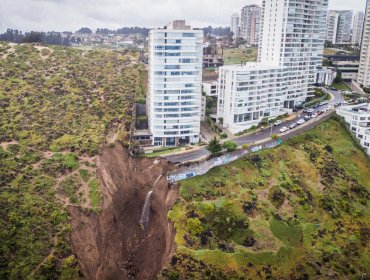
{"x":113,"y":245}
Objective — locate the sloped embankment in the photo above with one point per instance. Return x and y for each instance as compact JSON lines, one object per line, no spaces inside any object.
{"x":113,"y":245}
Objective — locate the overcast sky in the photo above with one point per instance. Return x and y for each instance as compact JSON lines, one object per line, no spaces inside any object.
{"x":63,"y":15}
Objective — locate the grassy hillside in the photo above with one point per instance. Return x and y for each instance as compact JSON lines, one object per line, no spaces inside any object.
{"x":300,"y":211}
{"x":58,"y":106}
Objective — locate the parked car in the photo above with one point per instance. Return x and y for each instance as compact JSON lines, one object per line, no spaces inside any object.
{"x":293,"y":125}
{"x":324,"y":103}
{"x":308,"y":117}
{"x":314,"y":115}
{"x":310,"y":111}
{"x":300,"y":122}
{"x":277,"y":123}
{"x":320,"y":112}
{"x":283,"y":129}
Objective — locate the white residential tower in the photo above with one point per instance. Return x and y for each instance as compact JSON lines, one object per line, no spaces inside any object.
{"x":290,"y":52}
{"x":175,"y":84}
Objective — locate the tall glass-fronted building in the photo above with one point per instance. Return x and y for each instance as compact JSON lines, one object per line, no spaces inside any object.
{"x":175,"y":84}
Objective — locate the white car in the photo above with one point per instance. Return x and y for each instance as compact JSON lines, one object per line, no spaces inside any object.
{"x":284,"y":129}
{"x":314,"y":115}
{"x":310,"y":111}
{"x":277,"y":123}
{"x":301,"y":121}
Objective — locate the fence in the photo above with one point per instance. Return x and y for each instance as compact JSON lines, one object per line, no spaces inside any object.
{"x":202,"y":168}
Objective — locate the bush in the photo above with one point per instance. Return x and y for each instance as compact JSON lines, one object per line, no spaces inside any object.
{"x":245,"y":146}
{"x":230,"y":146}
{"x":194,"y":226}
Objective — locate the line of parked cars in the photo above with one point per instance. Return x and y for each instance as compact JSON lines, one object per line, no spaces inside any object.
{"x":311,"y":114}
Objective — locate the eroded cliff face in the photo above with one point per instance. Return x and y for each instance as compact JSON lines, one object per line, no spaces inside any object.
{"x":113,"y":244}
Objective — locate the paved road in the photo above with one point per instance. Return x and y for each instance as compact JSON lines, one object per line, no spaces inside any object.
{"x":263,"y":135}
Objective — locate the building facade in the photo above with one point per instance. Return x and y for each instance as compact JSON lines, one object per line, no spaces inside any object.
{"x":175,"y":84}
{"x":363,"y":77}
{"x":339,"y":27}
{"x":290,"y":52}
{"x":250,"y":24}
{"x":325,"y":76}
{"x":358,"y":23}
{"x":293,"y":40}
{"x":235,"y":25}
{"x":348,"y":69}
{"x":332,"y":27}
{"x":358,"y":118}
{"x":248,"y":93}
{"x":210,"y":88}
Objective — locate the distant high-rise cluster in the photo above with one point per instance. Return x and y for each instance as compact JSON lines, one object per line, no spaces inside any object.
{"x":344,"y":27}
{"x":247,"y":24}
{"x":339,"y":27}
{"x":290,"y":51}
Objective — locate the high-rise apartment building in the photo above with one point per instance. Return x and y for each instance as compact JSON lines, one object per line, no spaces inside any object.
{"x":332,"y":27}
{"x":235,"y":25}
{"x":358,"y":23}
{"x":339,"y":27}
{"x":363,"y":77}
{"x":290,"y":51}
{"x":345,"y":27}
{"x":293,"y":35}
{"x":250,"y":24}
{"x":175,"y":84}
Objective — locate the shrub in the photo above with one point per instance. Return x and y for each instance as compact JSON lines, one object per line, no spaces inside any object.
{"x":230,"y":146}
{"x":194,"y":226}
{"x":245,"y":146}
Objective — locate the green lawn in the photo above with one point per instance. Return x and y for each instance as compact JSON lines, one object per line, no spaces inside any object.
{"x":301,"y":209}
{"x":341,"y":86}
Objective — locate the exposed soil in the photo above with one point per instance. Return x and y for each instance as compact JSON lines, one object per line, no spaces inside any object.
{"x":113,"y":245}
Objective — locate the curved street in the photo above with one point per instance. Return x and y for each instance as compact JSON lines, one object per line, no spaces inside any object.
{"x":263,"y":135}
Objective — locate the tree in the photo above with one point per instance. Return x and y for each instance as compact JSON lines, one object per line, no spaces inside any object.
{"x":214,"y":146}
{"x":338,"y":78}
{"x":230,"y":146}
{"x":85,"y":30}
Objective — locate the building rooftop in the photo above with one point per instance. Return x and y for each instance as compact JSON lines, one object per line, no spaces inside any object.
{"x":363,"y":108}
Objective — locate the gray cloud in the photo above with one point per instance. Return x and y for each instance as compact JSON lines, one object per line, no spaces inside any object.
{"x":60,"y":15}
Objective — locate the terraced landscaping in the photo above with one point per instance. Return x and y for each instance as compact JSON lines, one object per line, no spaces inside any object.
{"x":58,"y":107}
{"x":300,"y":211}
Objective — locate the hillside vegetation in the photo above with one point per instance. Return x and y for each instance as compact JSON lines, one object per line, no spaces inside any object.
{"x":300,"y":211}
{"x":58,"y":106}
{"x":237,"y":56}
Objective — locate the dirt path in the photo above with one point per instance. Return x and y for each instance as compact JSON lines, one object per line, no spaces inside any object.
{"x":52,"y":251}
{"x":5,"y":145}
{"x":113,"y":245}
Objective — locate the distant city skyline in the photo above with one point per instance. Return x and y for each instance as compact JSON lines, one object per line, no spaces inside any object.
{"x":70,"y":15}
